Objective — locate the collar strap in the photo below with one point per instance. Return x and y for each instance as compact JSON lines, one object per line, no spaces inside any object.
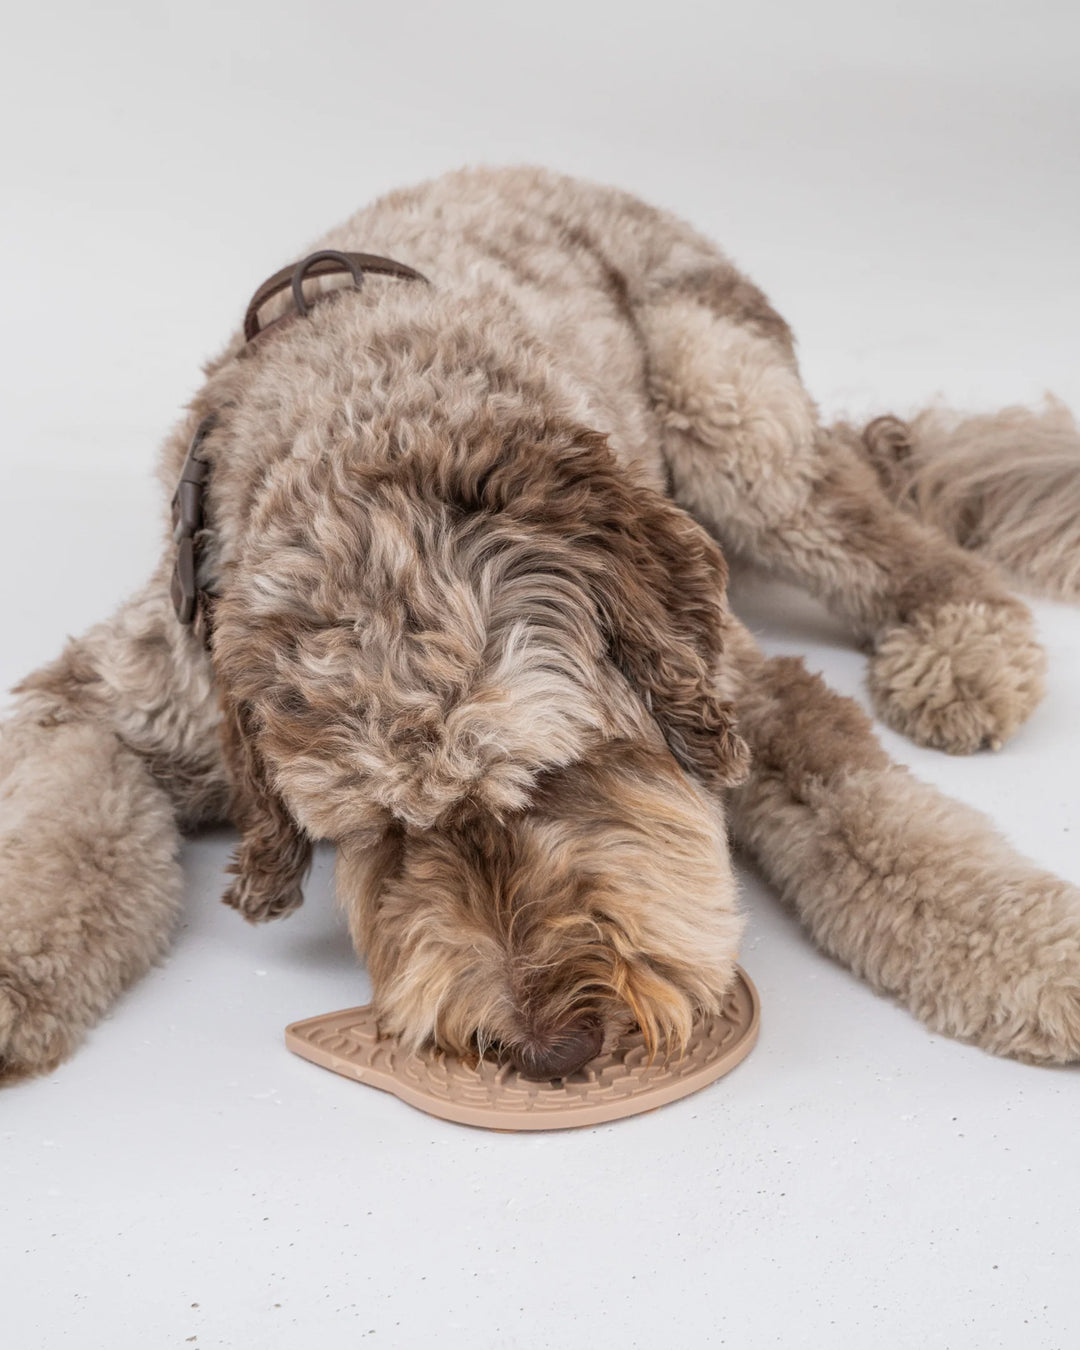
{"x":188,"y":499}
{"x":327,"y":261}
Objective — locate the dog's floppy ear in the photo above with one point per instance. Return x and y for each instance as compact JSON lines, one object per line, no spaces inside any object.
{"x":660,"y":584}
{"x":274,"y":852}
{"x":664,"y":600}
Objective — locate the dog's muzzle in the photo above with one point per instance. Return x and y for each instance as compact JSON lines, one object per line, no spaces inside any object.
{"x":560,"y":1055}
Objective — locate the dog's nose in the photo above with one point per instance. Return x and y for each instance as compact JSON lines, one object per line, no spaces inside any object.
{"x":560,"y":1054}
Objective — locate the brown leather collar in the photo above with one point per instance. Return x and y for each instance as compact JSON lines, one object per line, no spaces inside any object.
{"x":188,"y":516}
{"x":327,"y":261}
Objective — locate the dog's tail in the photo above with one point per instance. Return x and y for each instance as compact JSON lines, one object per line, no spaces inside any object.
{"x":1004,"y":484}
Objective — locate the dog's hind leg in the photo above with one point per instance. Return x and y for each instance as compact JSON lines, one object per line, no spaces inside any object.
{"x":916,"y":893}
{"x":954,"y":662}
{"x":112,"y":749}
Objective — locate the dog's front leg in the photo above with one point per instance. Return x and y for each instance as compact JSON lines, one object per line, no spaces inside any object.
{"x":112,"y":749}
{"x":918,"y":894}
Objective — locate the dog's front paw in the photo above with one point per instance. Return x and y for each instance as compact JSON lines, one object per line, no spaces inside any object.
{"x":260,"y":898}
{"x":1052,"y":1035}
{"x":961,"y":677}
{"x":33,"y":1038}
{"x":998,"y":960}
{"x":1031,"y":1015}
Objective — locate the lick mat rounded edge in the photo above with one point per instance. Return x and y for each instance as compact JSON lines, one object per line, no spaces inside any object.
{"x":620,"y":1082}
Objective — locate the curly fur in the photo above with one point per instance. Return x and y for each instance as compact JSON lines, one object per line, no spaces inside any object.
{"x":1004,"y":484}
{"x":916,"y":893}
{"x":469,"y":623}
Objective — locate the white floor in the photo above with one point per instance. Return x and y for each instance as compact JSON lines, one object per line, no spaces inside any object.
{"x":903,"y":182}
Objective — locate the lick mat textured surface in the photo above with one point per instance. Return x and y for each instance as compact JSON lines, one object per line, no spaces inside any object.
{"x":620,"y":1082}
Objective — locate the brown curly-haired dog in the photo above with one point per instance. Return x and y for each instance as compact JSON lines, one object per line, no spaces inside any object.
{"x":469,"y":622}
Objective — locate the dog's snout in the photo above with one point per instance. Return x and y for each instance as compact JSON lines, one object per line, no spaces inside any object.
{"x":561,"y":1053}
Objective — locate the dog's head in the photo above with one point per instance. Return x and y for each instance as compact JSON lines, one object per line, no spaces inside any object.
{"x":493,"y":677}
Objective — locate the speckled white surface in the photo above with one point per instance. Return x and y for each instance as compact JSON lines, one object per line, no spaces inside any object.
{"x":904,"y":185}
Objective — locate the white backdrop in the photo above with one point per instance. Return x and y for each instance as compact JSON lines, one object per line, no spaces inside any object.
{"x":902,"y":179}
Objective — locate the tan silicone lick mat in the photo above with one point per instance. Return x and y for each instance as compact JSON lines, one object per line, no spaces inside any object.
{"x":620,"y":1082}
